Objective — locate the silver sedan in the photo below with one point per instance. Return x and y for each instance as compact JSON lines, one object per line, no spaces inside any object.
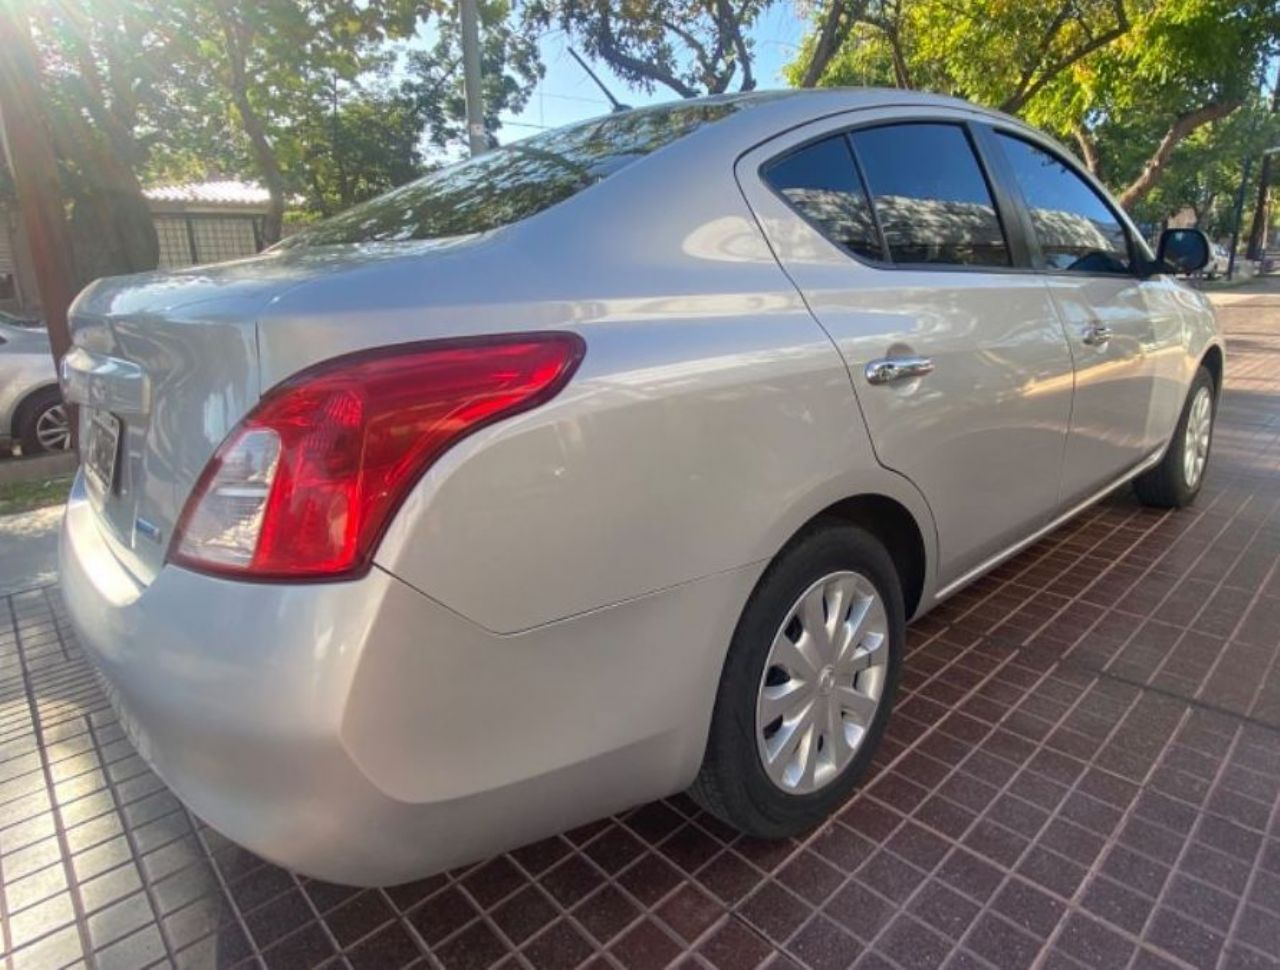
{"x":608,"y":464}
{"x":31,"y":411}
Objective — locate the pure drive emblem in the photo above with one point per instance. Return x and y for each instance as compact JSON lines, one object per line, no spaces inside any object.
{"x":148,"y":529}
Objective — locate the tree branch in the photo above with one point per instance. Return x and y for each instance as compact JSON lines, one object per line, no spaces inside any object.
{"x":1088,"y":150}
{"x":705,"y":60}
{"x":730,"y":25}
{"x":1183,"y":126}
{"x":1027,"y":89}
{"x":837,"y":20}
{"x":609,"y":50}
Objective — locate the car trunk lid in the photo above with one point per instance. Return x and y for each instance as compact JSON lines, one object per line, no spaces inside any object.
{"x":169,"y":363}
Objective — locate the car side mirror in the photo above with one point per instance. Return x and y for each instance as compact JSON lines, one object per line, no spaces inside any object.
{"x":1183,"y":250}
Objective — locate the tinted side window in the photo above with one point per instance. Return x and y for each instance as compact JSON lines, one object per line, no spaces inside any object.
{"x":931,"y":197}
{"x":1077,"y":230}
{"x":820,"y":181}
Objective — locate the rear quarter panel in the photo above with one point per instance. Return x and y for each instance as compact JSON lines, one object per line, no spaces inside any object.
{"x":710,"y":419}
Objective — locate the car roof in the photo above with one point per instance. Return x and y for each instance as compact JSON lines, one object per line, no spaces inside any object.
{"x":799,"y":105}
{"x":768,"y":113}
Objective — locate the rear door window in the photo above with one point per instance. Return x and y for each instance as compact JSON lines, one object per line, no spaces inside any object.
{"x":1077,"y":230}
{"x":930,"y":195}
{"x":822,"y":184}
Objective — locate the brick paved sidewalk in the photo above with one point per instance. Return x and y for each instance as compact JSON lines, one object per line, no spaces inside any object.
{"x":1084,"y":770}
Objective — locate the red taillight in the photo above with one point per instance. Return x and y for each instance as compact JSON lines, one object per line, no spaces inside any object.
{"x":306,"y":483}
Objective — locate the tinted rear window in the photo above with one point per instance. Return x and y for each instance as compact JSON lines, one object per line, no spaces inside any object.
{"x":931,"y":197}
{"x":516,"y":181}
{"x":821,"y":182}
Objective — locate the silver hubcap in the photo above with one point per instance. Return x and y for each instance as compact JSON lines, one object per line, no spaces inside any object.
{"x":822,"y":682}
{"x":1195,"y":449}
{"x":53,"y":431}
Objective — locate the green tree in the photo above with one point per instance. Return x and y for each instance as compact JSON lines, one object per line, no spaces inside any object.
{"x":1204,"y":174}
{"x":1128,"y":80}
{"x":109,"y":103}
{"x":274,"y":62}
{"x":691,"y":47}
{"x":299,"y":73}
{"x":1184,"y":65}
{"x":367,"y":142}
{"x":510,"y":66}
{"x":323,"y":99}
{"x":998,"y":52}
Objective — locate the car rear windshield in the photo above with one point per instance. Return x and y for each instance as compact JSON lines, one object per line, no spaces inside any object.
{"x":516,"y":181}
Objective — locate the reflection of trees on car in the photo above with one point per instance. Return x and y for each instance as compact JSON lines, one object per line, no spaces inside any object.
{"x":941,"y":231}
{"x":1072,"y":241}
{"x":513,"y":182}
{"x":844,"y":217}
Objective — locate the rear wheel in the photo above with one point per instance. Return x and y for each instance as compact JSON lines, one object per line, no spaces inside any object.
{"x":1176,"y":481}
{"x":42,"y":423}
{"x":807,"y":685}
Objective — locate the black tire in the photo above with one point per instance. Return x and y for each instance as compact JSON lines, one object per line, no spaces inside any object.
{"x":732,"y":783}
{"x":1165,"y":486}
{"x":30,"y":412}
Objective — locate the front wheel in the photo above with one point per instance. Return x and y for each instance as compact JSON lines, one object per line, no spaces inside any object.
{"x":1176,"y":481}
{"x":807,"y":684}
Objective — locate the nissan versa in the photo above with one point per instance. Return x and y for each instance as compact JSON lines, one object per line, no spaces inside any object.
{"x":606,"y":464}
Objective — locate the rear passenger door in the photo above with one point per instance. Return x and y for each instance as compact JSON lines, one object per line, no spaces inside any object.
{"x":1125,"y":332}
{"x":909,"y":256}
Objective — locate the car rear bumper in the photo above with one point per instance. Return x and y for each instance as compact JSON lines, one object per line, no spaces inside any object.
{"x":362,"y":733}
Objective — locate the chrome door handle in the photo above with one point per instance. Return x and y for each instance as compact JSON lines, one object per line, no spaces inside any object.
{"x":886,"y":370}
{"x":1096,"y":334}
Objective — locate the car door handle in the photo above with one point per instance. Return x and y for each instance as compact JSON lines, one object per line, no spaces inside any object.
{"x":886,"y":370}
{"x":1096,"y":334}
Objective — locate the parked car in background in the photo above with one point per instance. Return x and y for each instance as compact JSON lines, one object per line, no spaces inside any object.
{"x":1219,"y":261}
{"x":606,"y":464}
{"x":14,"y":320}
{"x":31,"y":411}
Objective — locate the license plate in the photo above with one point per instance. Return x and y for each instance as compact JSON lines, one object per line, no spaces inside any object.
{"x":101,"y":451}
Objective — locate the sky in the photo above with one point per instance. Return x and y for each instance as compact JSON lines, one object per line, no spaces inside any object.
{"x":566,"y":94}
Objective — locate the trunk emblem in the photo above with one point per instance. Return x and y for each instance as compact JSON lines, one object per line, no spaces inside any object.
{"x":148,"y":529}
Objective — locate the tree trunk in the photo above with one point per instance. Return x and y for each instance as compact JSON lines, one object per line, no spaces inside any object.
{"x":263,"y":153}
{"x":1258,"y":227}
{"x":112,"y":231}
{"x":1178,"y":131}
{"x":268,"y":166}
{"x":836,"y":21}
{"x":26,"y":143}
{"x":901,"y":72}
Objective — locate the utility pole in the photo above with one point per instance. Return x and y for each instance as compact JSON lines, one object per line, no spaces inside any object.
{"x":477,"y":137}
{"x":28,"y":150}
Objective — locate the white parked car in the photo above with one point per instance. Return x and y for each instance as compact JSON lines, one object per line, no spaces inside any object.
{"x":1219,"y":261}
{"x":31,"y":411}
{"x":607,"y":464}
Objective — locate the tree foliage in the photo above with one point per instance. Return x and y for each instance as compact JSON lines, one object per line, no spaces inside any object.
{"x":1204,"y":174}
{"x":509,"y":68}
{"x":327,"y":101}
{"x":1129,"y":81}
{"x":691,"y":47}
